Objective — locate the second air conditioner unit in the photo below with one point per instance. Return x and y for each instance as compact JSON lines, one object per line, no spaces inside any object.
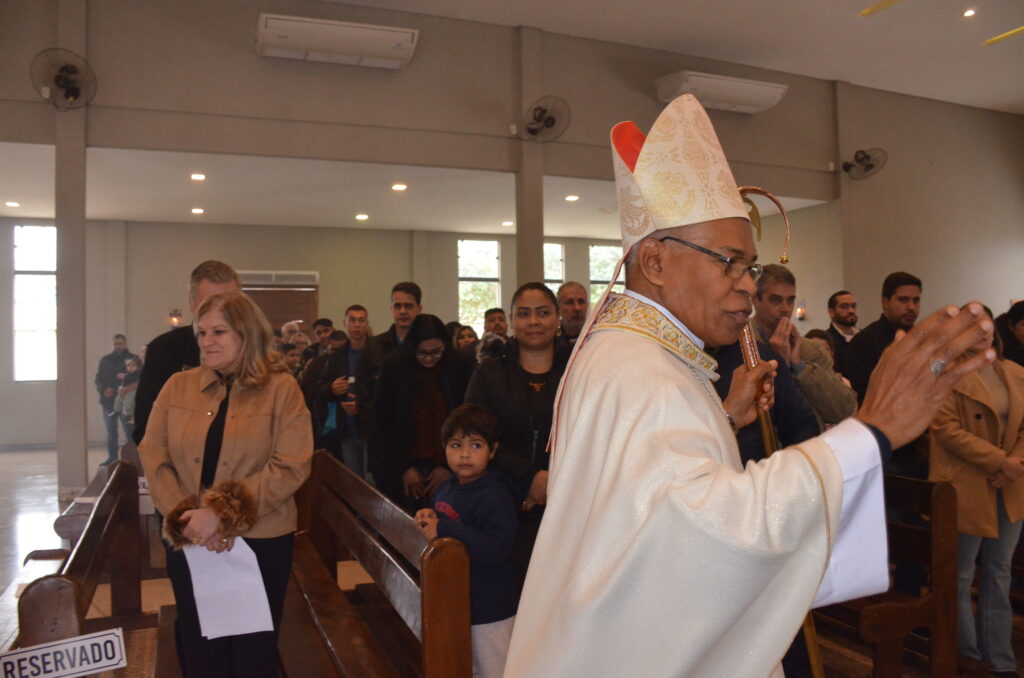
{"x":336,"y":42}
{"x":722,"y":92}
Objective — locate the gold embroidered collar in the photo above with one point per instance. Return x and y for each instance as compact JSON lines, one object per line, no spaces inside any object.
{"x":627,"y":314}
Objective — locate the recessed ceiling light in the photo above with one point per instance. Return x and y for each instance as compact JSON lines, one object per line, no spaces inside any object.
{"x":197,"y":210}
{"x":362,"y":217}
{"x":571,"y":198}
{"x":398,"y":187}
{"x":198,"y":176}
{"x":506,"y":223}
{"x":11,"y":203}
{"x":970,"y":12}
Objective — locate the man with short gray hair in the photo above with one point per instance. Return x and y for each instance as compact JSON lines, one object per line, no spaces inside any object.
{"x":812,"y":368}
{"x":573,"y":303}
{"x":177,"y":349}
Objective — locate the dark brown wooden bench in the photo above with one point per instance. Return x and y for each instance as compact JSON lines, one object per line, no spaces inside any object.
{"x":414,"y":621}
{"x":418,"y":610}
{"x":35,"y":565}
{"x":54,"y":607}
{"x":888,"y":621}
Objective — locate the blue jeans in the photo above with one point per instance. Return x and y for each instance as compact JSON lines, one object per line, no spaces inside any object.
{"x":353,"y":455}
{"x":990,"y":639}
{"x":110,"y":419}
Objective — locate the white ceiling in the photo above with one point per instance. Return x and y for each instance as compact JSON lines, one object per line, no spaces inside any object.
{"x":154,"y":186}
{"x":922,"y":47}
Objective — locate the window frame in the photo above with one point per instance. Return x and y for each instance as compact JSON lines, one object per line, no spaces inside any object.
{"x":478,"y":279}
{"x":15,"y":274}
{"x":603,"y":282}
{"x":561,"y":262}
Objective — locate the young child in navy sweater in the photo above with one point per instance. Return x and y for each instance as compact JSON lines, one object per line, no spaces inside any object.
{"x":477,"y":506}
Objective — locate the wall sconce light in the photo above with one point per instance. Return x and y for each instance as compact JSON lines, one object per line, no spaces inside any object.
{"x":801,"y":310}
{"x":175,"y":317}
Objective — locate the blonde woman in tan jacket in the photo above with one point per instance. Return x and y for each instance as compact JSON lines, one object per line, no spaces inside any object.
{"x":227,"y":445}
{"x":977,"y":444}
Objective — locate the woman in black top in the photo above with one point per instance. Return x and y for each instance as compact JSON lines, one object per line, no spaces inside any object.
{"x":419,"y":385}
{"x":519,"y":388}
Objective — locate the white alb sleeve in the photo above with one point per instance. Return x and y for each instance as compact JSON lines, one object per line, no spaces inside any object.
{"x":858,"y":565}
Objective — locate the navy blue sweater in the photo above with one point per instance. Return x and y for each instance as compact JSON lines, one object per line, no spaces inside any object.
{"x":482,"y":515}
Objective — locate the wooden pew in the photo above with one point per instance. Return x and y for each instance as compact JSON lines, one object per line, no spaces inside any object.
{"x":71,"y":522}
{"x":36,"y":564}
{"x":885,"y":621}
{"x":54,"y":607}
{"x":419,"y":607}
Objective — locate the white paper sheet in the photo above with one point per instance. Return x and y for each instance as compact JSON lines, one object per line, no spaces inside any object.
{"x":229,"y":592}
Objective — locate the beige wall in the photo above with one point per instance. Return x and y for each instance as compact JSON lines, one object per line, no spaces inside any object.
{"x":948,"y":207}
{"x":184,"y":75}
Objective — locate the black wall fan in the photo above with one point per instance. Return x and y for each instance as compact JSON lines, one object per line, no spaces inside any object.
{"x":546,"y":119}
{"x":63,"y":78}
{"x":865,"y":163}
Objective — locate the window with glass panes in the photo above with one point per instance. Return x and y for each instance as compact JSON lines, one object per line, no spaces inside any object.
{"x":35,"y":303}
{"x":603,"y":260}
{"x":554,"y":265}
{"x":479,"y":281}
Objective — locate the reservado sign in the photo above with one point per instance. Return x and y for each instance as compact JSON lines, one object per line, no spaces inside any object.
{"x":78,"y":656}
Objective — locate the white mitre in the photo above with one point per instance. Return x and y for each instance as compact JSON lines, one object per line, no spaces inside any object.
{"x":675,"y":176}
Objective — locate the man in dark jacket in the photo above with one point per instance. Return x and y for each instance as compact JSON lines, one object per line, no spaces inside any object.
{"x":406,"y":298}
{"x":842,"y":310}
{"x":323,"y":328}
{"x":573,"y":303}
{"x":109,"y":378}
{"x":344,"y":428}
{"x":177,"y":349}
{"x":901,"y":304}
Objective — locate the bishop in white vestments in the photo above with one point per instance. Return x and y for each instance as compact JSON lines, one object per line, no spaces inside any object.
{"x":660,"y":555}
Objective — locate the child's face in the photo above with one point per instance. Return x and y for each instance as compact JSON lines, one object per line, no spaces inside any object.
{"x":131,"y":366}
{"x":468,"y":455}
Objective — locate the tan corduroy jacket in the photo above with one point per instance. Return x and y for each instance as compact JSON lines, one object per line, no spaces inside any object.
{"x":265,"y":456}
{"x":966,"y":447}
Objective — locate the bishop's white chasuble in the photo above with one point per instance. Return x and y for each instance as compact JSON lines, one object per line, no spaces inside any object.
{"x":658,"y":554}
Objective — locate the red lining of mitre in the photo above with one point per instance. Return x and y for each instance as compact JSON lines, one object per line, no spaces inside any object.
{"x":627,"y":139}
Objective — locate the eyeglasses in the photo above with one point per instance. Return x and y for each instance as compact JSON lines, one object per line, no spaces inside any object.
{"x":430,"y":355}
{"x":734,"y":268}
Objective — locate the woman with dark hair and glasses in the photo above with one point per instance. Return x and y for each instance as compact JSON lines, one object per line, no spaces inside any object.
{"x":519,"y":388}
{"x":423,"y":381}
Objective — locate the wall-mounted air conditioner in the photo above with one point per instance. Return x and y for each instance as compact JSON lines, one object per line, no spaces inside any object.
{"x":721,"y":92}
{"x":336,"y":42}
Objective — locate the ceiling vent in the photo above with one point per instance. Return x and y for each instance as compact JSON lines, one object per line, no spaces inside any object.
{"x":721,"y":92}
{"x":336,"y":42}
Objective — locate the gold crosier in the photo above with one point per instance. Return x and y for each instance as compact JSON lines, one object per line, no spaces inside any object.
{"x":751,"y":358}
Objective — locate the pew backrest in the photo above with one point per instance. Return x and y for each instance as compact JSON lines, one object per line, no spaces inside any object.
{"x":54,"y":607}
{"x":426,"y":583}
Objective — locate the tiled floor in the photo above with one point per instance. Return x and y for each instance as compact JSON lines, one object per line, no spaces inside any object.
{"x":28,"y":505}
